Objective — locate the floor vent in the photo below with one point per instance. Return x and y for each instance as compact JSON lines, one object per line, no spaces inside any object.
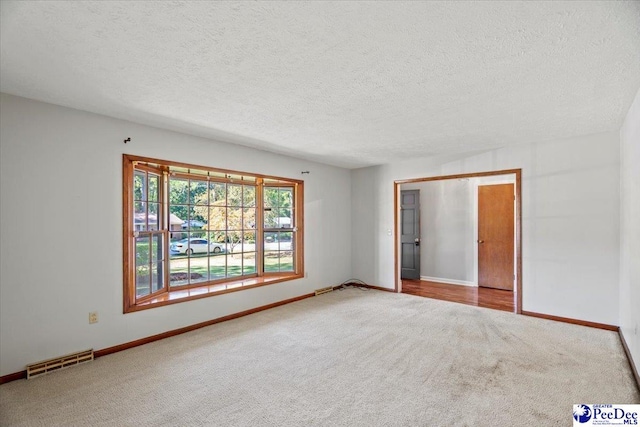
{"x":47,"y":366}
{"x":324,"y":290}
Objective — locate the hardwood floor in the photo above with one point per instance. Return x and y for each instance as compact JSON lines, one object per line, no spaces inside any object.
{"x":497,"y":299}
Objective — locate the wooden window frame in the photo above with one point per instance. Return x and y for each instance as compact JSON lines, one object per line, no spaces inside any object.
{"x":167,"y":295}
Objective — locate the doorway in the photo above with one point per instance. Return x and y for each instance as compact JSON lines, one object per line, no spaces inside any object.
{"x":410,"y":234}
{"x":488,"y":252}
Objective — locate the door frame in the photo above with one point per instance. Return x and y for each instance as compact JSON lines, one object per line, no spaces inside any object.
{"x":518,"y":223}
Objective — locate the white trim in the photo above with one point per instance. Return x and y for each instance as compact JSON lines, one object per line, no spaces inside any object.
{"x":449,"y":281}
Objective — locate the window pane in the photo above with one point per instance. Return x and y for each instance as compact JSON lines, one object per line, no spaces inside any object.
{"x":234,"y":244}
{"x":285,"y":197}
{"x":249,"y":196}
{"x":234,"y":265}
{"x":286,"y":261}
{"x":157,"y":247}
{"x":271,"y":241}
{"x":271,"y":262}
{"x":249,"y":242}
{"x":154,"y":183}
{"x":154,"y":217}
{"x":204,"y":213}
{"x":178,"y":192}
{"x":196,"y":245}
{"x":234,"y":218}
{"x":178,"y":269}
{"x":178,"y":217}
{"x":216,"y":247}
{"x":140,"y":216}
{"x":182,"y":247}
{"x":219,"y":238}
{"x":176,"y":233}
{"x":157,"y":277}
{"x":217,"y":267}
{"x":218,"y":193}
{"x":139,"y":186}
{"x":234,"y":195}
{"x":175,"y":223}
{"x":249,"y":218}
{"x":249,"y":263}
{"x":142,"y":281}
{"x":197,"y":218}
{"x":142,"y":266}
{"x":284,"y":240}
{"x":271,"y":218}
{"x":198,"y":268}
{"x":217,"y":218}
{"x":142,"y":250}
{"x":198,"y":193}
{"x":285,"y":219}
{"x":270,"y":197}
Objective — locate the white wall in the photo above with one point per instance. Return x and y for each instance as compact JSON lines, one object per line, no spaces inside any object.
{"x":630,"y":230}
{"x":61,"y":210}
{"x":571,"y":208}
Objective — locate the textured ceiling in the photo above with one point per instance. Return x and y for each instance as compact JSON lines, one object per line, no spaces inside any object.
{"x":345,"y":83}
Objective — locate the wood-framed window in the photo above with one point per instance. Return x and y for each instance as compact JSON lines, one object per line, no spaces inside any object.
{"x":194,"y":231}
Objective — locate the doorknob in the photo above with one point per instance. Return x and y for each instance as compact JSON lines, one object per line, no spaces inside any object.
{"x":480,"y":241}
{"x":417,"y":241}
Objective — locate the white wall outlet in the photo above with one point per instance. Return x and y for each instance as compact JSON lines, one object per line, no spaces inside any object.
{"x":93,"y":317}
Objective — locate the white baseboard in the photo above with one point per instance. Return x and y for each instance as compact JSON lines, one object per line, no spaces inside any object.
{"x":449,"y":281}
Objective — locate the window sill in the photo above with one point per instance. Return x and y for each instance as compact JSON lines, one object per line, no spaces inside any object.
{"x":182,"y":295}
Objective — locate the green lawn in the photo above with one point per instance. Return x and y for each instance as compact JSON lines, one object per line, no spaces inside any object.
{"x":195,"y":269}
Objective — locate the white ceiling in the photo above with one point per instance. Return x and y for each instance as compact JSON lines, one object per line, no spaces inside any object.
{"x":345,"y":83}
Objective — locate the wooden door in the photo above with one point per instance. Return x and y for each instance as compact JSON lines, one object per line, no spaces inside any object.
{"x":410,"y":234}
{"x":496,"y":236}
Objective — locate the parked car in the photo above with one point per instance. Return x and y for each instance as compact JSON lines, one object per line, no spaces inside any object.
{"x":194,"y":223}
{"x":195,"y":245}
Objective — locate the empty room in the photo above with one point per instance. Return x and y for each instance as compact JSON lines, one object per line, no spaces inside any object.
{"x":355,"y":213}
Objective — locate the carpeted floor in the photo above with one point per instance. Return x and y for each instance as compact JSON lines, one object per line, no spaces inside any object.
{"x":347,"y":358}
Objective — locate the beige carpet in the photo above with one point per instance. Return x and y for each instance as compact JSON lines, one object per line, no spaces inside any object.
{"x":347,"y":358}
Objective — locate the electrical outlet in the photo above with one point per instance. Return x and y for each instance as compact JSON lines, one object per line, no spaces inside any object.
{"x":93,"y":317}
